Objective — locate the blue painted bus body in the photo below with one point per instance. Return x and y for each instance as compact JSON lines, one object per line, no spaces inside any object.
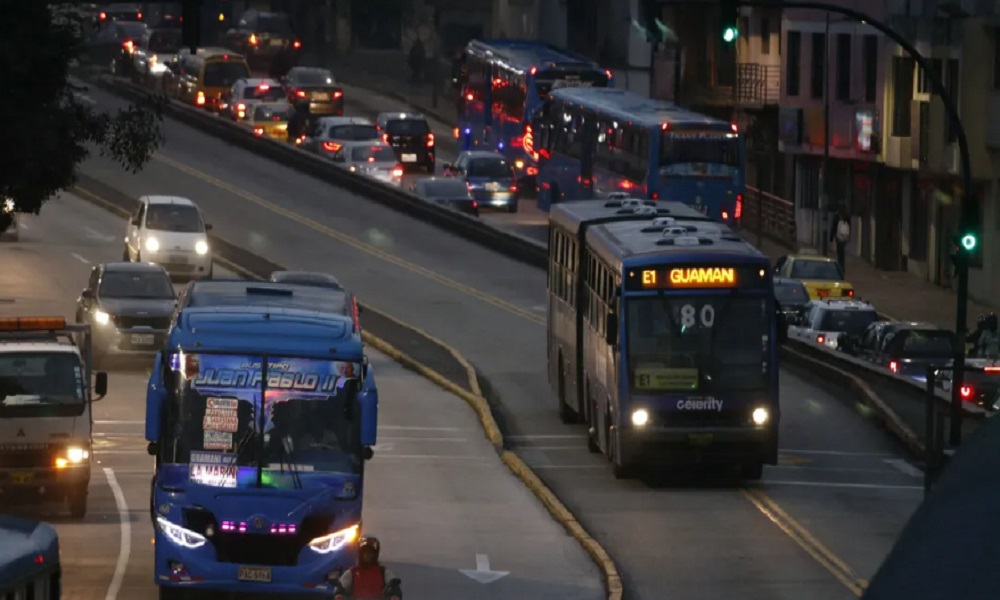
{"x":260,"y":417}
{"x":594,"y":142}
{"x":503,"y":82}
{"x":699,"y":359}
{"x":29,"y":559}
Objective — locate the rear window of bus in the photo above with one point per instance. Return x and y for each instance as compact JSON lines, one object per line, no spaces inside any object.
{"x":224,"y":73}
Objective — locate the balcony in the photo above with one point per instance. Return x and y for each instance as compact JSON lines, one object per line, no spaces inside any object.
{"x":758,"y":85}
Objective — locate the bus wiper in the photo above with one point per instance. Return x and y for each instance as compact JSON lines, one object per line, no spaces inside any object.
{"x":282,"y":455}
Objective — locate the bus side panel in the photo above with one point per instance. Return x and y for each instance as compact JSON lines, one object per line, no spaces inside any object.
{"x":607,"y":181}
{"x":560,"y":181}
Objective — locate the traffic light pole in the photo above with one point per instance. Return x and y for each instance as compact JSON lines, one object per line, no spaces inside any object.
{"x":938,"y":88}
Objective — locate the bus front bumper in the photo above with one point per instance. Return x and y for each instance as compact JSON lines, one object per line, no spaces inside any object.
{"x":688,"y":445}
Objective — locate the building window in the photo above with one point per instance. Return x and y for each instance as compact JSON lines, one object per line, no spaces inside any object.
{"x":793,"y":67}
{"x":843,"y":66}
{"x":871,"y":67}
{"x":951,"y":84}
{"x":902,"y":95}
{"x":818,"y":65}
{"x":924,"y":83}
{"x":765,"y":36}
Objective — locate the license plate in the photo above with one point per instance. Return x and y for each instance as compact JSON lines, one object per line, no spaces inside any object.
{"x":701,"y":439}
{"x":492,"y":186}
{"x":321,"y":96}
{"x":177,"y":259}
{"x":257,"y":574}
{"x":275,"y":43}
{"x":142,"y":339}
{"x":823,"y":293}
{"x":22,"y":478}
{"x":409,"y":158}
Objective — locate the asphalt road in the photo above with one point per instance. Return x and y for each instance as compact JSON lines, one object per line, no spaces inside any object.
{"x":816,"y":527}
{"x":438,"y":494}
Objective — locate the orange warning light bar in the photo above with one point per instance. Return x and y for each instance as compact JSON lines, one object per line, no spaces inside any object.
{"x":32,"y":323}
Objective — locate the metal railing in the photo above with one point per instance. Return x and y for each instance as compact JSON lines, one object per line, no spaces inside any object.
{"x":757,"y":84}
{"x":768,"y":215}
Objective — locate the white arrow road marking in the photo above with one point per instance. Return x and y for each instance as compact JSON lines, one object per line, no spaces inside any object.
{"x":97,"y":235}
{"x":483,"y":574}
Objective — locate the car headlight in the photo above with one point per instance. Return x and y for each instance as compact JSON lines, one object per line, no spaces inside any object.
{"x":179,"y":535}
{"x":76,"y":454}
{"x":640,"y":417}
{"x":152,"y":244}
{"x":8,"y":205}
{"x":760,"y":416}
{"x":201,"y":247}
{"x":102,"y":317}
{"x":332,"y":542}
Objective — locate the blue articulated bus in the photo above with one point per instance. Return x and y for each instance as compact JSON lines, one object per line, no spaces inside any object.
{"x":662,"y":336}
{"x":29,"y":560}
{"x":261,"y":418}
{"x":594,"y":142}
{"x":501,"y":85}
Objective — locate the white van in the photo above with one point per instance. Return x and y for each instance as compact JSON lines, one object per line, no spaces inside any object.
{"x":169,"y":231}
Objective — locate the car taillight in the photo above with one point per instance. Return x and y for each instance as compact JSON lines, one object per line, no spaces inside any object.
{"x":138,"y":17}
{"x":893,"y":366}
{"x":430,"y":140}
{"x":655,"y":196}
{"x":513,"y":188}
{"x":253,"y":39}
{"x":454,"y":132}
{"x":966,"y":391}
{"x":725,"y":215}
{"x":300,"y":94}
{"x":397,"y":172}
{"x":849,"y":293}
{"x":104,"y":16}
{"x":820,"y":339}
{"x":338,"y":94}
{"x":241,"y":106}
{"x":258,"y":131}
{"x":385,"y":138}
{"x":331,"y":146}
{"x":200,"y":100}
{"x":738,"y":212}
{"x":296,"y":44}
{"x":475,"y":204}
{"x":129,"y":46}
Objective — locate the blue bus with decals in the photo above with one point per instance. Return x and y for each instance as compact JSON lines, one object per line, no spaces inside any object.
{"x":260,"y":418}
{"x":501,"y":83}
{"x":662,"y":336}
{"x":593,"y":142}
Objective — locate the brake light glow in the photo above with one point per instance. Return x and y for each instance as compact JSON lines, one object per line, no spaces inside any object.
{"x":468,"y":97}
{"x":397,"y":172}
{"x":104,"y":16}
{"x":513,"y":188}
{"x":625,"y":184}
{"x":534,"y":70}
{"x":296,"y":44}
{"x":300,"y":94}
{"x":258,"y":131}
{"x":991,"y":369}
{"x":820,"y":339}
{"x":734,"y":127}
{"x":200,"y":100}
{"x":129,"y":46}
{"x":430,"y":140}
{"x":263,"y":87}
{"x":138,"y":17}
{"x":385,"y":138}
{"x":241,"y":106}
{"x":725,"y":215}
{"x":655,"y":196}
{"x":338,"y":94}
{"x":665,"y":126}
{"x":738,"y":212}
{"x":608,"y":73}
{"x":966,"y":391}
{"x":849,"y":293}
{"x":454,"y":132}
{"x":893,"y":366}
{"x":331,"y":146}
{"x":253,"y":39}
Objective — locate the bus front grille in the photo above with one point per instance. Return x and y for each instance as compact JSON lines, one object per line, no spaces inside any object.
{"x":735,"y":418}
{"x":258,"y":549}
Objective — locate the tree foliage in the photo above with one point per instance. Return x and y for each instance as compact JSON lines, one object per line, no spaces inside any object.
{"x":46,"y":130}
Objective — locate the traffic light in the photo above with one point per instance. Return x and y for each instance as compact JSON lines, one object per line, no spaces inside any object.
{"x":729,"y":19}
{"x":969,"y":226}
{"x":191,"y":24}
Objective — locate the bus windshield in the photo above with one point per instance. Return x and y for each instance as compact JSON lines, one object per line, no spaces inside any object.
{"x":40,"y":384}
{"x":226,"y":423}
{"x":702,"y":344}
{"x":711,"y":147}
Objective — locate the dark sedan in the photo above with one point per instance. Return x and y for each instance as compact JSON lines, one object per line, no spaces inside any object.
{"x":491,"y":179}
{"x":447,"y":192}
{"x":790,"y":297}
{"x":912,"y":347}
{"x":318,"y":87}
{"x":128,"y":306}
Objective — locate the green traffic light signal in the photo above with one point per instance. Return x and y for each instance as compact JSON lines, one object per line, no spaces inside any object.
{"x":729,"y":34}
{"x":969,"y":242}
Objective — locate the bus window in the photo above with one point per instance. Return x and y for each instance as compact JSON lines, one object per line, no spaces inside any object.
{"x":719,"y":148}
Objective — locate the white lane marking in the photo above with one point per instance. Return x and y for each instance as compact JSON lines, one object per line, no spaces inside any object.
{"x":552,"y":448}
{"x":125,"y":546}
{"x":540,"y":308}
{"x":97,"y":235}
{"x":79,"y":258}
{"x":534,"y":466}
{"x":119,"y":422}
{"x":835,"y":453}
{"x":23,"y":224}
{"x":408,"y":428}
{"x":432,"y":456}
{"x":421,"y":439}
{"x":904,"y":467}
{"x":831,"y":484}
{"x":560,"y":436}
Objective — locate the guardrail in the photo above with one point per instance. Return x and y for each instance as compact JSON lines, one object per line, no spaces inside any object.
{"x":770,"y":216}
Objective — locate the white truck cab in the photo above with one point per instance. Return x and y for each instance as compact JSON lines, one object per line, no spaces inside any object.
{"x":46,"y":419}
{"x":828,"y":319}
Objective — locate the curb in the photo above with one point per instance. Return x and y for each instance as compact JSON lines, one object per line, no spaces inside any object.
{"x":894,"y":423}
{"x":559,"y":512}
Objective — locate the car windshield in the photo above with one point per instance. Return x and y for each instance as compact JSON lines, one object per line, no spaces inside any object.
{"x":264,"y":93}
{"x":927,"y":343}
{"x":372,"y":154}
{"x":353,"y":132}
{"x":274,"y":23}
{"x":496,"y":168}
{"x":447,"y":188}
{"x":224,"y":73}
{"x":138,"y":285}
{"x":272,"y":113}
{"x":697,"y":343}
{"x":40,"y":384}
{"x":181,"y":218}
{"x":407,"y":127}
{"x":852,"y":322}
{"x":312,"y":77}
{"x":131,"y":31}
{"x":306,"y":418}
{"x":713,"y":147}
{"x":790,"y":293}
{"x":822,"y":270}
{"x":165,"y":42}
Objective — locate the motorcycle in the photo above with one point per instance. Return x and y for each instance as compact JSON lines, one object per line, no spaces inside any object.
{"x":393,"y":591}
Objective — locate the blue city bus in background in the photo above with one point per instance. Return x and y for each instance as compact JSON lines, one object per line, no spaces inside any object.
{"x":501,"y":83}
{"x":260,"y":418}
{"x":29,"y":560}
{"x":593,"y":142}
{"x":662,"y":336}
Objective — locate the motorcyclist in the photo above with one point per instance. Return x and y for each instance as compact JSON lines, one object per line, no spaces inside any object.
{"x":368,"y":580}
{"x":298,"y":124}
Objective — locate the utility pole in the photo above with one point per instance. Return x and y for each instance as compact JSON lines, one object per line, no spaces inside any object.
{"x":824,"y":199}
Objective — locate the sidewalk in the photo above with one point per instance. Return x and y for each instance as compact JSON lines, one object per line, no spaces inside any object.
{"x":896,"y":294}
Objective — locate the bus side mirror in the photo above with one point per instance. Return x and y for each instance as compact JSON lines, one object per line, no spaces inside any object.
{"x":156,"y":397}
{"x":611,"y":328}
{"x":153,"y":448}
{"x":100,"y":385}
{"x":368,"y":453}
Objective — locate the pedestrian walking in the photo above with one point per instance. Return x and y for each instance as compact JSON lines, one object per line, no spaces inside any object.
{"x":840,"y":234}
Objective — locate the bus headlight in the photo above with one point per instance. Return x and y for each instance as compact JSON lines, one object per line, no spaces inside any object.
{"x":640,"y":417}
{"x":760,"y":416}
{"x":152,"y":244}
{"x":201,"y":247}
{"x":179,"y":535}
{"x":8,"y":205}
{"x":76,"y":454}
{"x":332,"y":542}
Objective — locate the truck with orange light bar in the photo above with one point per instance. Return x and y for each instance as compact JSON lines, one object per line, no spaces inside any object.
{"x":662,"y":336}
{"x":593,"y":142}
{"x":502,"y":83}
{"x":46,"y":389}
